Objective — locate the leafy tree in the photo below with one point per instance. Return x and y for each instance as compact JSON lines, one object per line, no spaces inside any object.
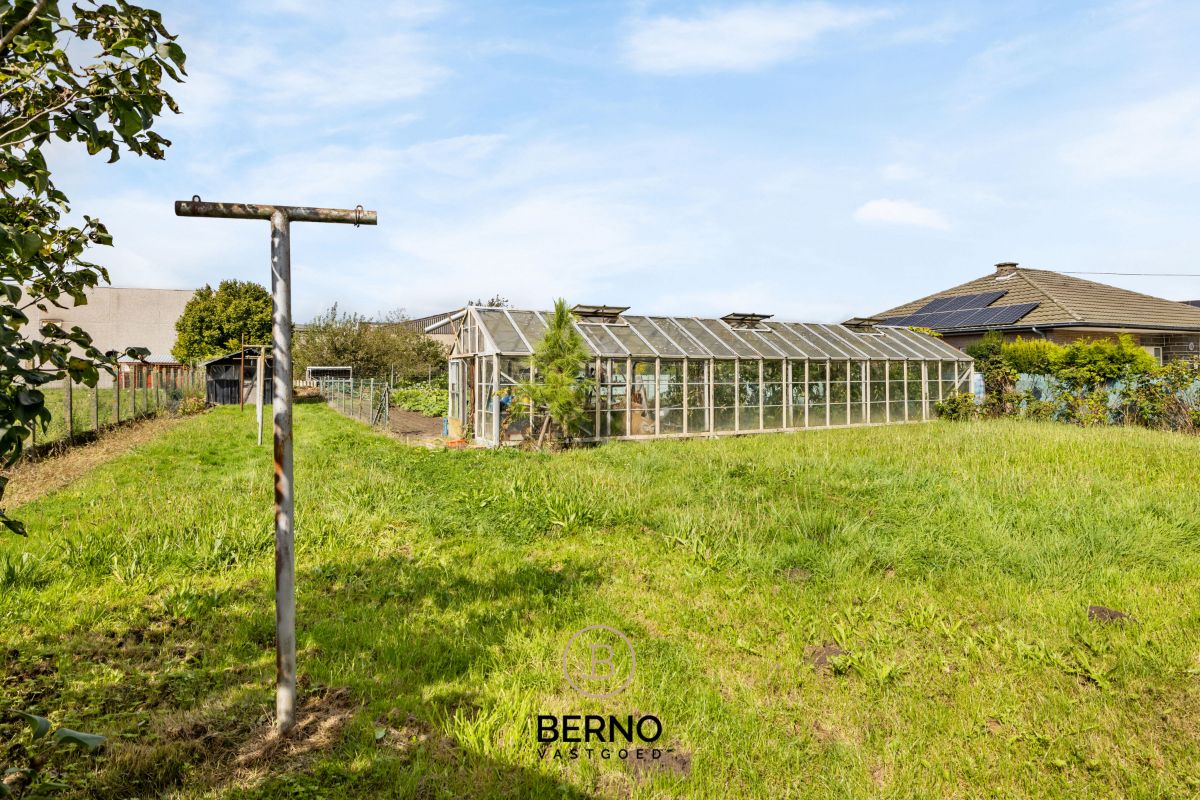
{"x":560,"y":386}
{"x":93,"y":76}
{"x":496,"y":301}
{"x":213,"y":323}
{"x":373,"y":349}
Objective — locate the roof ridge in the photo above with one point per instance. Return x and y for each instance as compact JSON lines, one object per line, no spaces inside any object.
{"x":1036,"y":285}
{"x":1153,"y":297}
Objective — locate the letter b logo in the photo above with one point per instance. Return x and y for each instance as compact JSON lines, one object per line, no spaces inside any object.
{"x":599,"y":661}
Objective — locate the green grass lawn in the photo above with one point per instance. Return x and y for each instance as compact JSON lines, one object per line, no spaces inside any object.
{"x":954,"y":565}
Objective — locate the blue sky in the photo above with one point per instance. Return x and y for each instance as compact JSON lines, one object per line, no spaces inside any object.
{"x":811,"y":160}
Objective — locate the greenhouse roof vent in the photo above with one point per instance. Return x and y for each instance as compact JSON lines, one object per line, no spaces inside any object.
{"x":747,"y":322}
{"x":862,"y":324}
{"x":599,"y":314}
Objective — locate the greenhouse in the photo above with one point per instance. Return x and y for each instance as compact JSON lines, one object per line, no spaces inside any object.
{"x":658,"y":377}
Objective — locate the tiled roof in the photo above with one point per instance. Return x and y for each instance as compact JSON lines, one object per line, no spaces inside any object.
{"x":1067,"y":300}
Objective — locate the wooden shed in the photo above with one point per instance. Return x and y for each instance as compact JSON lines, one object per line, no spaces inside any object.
{"x":225,"y":374}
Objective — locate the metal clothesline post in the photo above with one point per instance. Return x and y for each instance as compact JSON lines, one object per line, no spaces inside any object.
{"x":281,"y":218}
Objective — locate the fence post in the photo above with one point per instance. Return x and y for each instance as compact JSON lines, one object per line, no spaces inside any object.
{"x":69,"y":402}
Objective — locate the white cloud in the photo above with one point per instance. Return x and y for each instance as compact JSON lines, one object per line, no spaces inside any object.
{"x":1158,"y":137}
{"x":741,"y":39}
{"x":901,"y":212}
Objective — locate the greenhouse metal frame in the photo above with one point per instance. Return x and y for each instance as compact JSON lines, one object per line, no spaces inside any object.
{"x":665,"y":377}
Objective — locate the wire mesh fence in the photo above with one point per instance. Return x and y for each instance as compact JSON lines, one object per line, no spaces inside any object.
{"x":366,"y":400}
{"x":79,"y":411}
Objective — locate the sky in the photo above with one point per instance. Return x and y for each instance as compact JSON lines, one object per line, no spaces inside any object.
{"x":812,"y":160}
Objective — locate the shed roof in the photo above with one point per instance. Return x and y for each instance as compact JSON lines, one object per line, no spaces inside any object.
{"x":516,"y":332}
{"x":1060,"y":300}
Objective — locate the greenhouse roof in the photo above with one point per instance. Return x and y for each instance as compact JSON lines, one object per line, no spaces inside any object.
{"x":514,"y":332}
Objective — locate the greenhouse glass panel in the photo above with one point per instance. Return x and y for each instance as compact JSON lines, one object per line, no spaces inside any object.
{"x":503,"y":332}
{"x":781,"y":342}
{"x":514,"y":421}
{"x":915,"y":401}
{"x":680,"y":337}
{"x":670,"y":396}
{"x":948,"y":379}
{"x":857,"y":411}
{"x":697,"y":396}
{"x":818,"y":393}
{"x":838,"y":392}
{"x":772,"y":394}
{"x":529,"y":324}
{"x":896,"y":390}
{"x":877,"y":392}
{"x":661,"y":344}
{"x":614,"y":397}
{"x":644,"y":389}
{"x":796,"y":336}
{"x":724,"y":395}
{"x":749,"y":396}
{"x":705,"y":337}
{"x":727,"y":337}
{"x":799,"y":399}
{"x":630,"y":340}
{"x":487,"y":392}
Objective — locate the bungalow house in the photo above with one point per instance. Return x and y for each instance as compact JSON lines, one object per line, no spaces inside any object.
{"x":1037,"y":303}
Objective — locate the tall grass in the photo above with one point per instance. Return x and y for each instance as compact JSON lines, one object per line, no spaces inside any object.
{"x":953,"y":565}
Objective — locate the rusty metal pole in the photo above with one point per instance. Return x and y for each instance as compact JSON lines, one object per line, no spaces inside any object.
{"x":259,"y":391}
{"x":285,"y":509}
{"x":281,"y":334}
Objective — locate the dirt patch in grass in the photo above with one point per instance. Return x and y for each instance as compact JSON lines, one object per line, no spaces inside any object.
{"x":413,"y":425}
{"x":674,"y":761}
{"x":798,"y":575}
{"x":30,"y":480}
{"x":319,"y":723}
{"x":1107,"y":616}
{"x":821,"y":656}
{"x":407,"y":734}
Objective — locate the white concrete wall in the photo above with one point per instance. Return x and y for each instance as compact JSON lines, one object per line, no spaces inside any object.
{"x":119,"y":318}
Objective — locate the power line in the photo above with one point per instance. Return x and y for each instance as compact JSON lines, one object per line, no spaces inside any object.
{"x":1136,"y":274}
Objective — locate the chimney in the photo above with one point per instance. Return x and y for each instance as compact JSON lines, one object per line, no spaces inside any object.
{"x":1005,"y":267}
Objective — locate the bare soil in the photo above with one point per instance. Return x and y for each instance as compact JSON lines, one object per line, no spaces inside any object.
{"x":30,"y":480}
{"x":413,"y":425}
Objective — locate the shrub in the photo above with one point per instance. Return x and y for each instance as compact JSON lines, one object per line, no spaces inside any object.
{"x":1087,"y":364}
{"x":427,"y":398}
{"x":958,"y":407}
{"x":1164,"y":397}
{"x":191,"y":405}
{"x":1031,"y":356}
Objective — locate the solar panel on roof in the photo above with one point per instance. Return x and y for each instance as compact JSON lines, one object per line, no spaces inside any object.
{"x":1014,"y":313}
{"x":964,"y":318}
{"x":934,"y":305}
{"x":961,"y":302}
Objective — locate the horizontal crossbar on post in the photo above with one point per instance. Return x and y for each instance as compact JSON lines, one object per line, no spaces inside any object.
{"x":204,"y":208}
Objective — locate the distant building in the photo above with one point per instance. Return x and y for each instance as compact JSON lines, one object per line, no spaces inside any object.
{"x":1037,"y":303}
{"x":442,"y":334}
{"x":118,"y":318}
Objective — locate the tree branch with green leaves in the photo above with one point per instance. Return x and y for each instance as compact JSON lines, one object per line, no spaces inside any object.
{"x":107,"y":102}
